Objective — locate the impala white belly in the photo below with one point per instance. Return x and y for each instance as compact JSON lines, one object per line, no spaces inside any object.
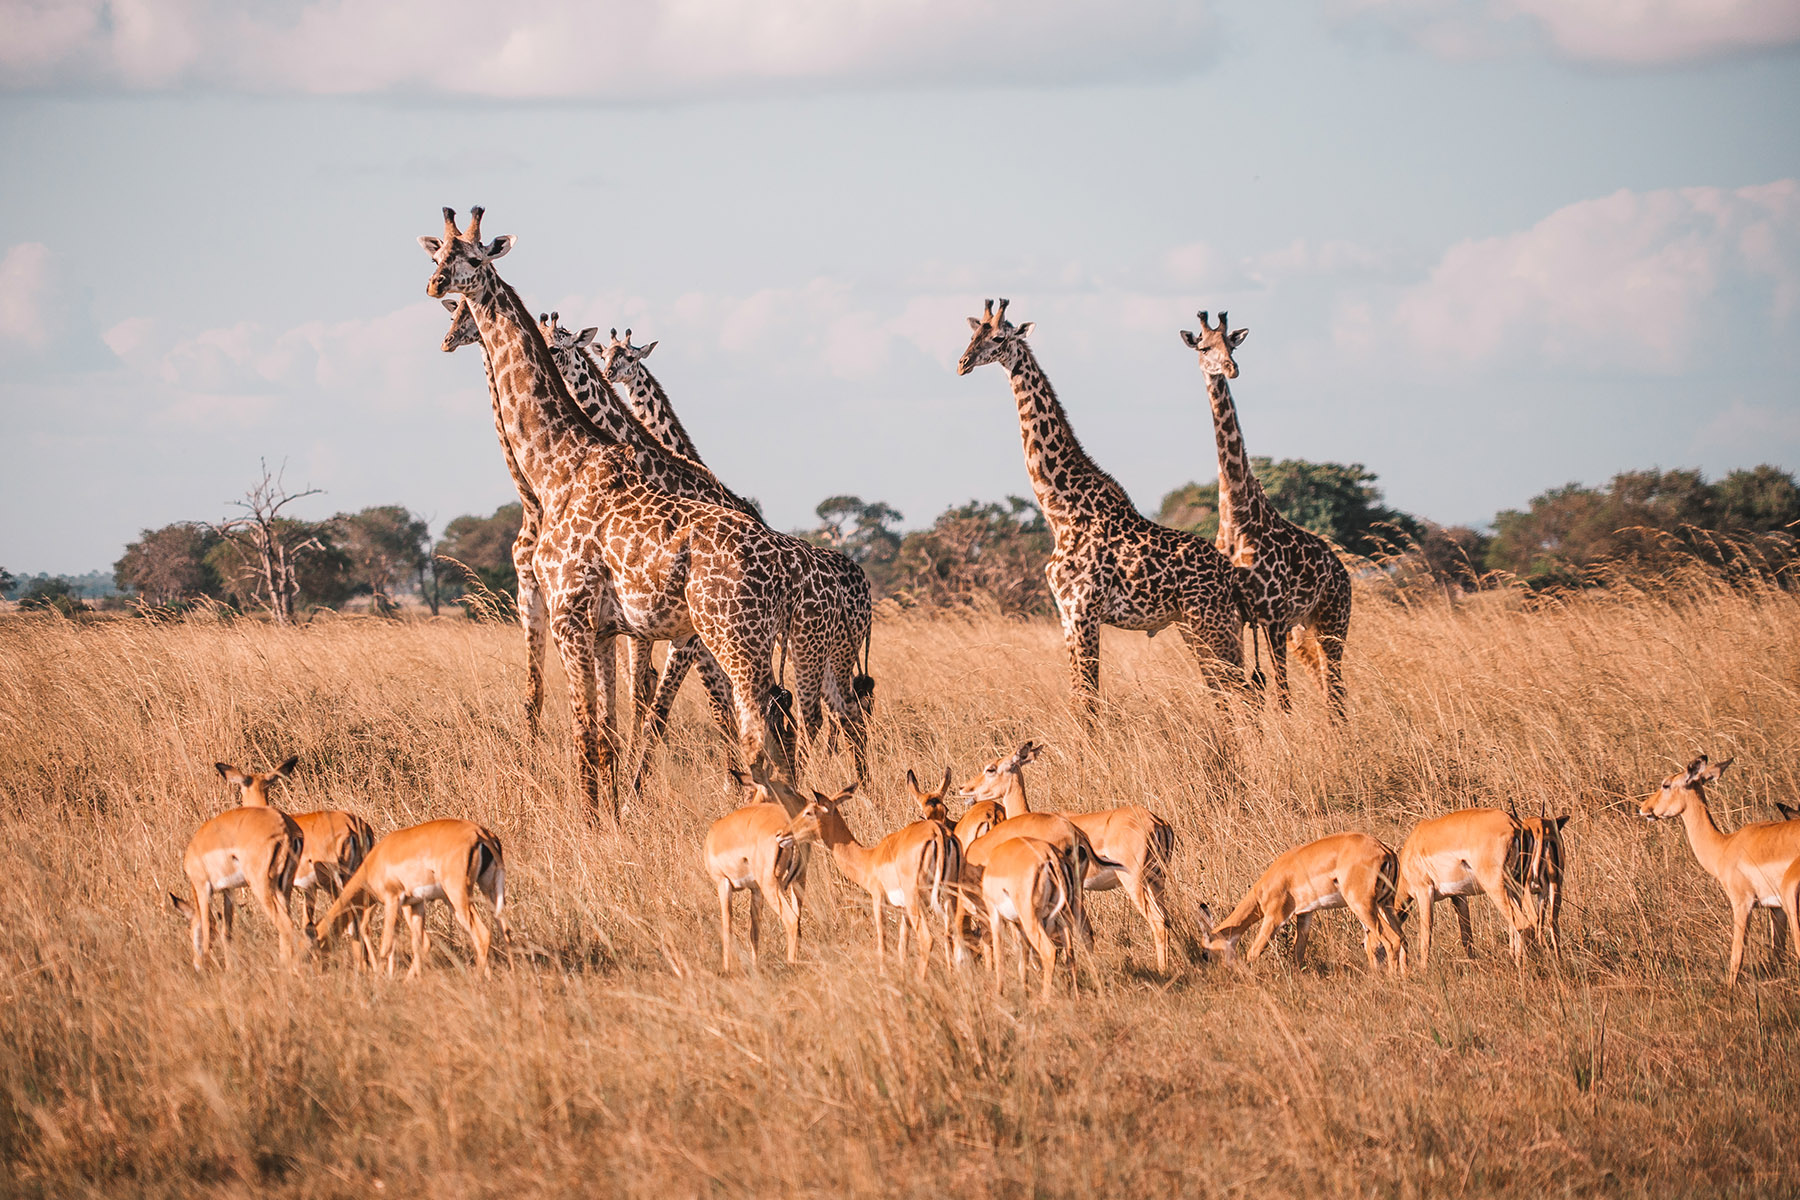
{"x":426,"y":891}
{"x":896,"y":897}
{"x":307,"y":882}
{"x":1004,"y":906}
{"x":235,"y":879}
{"x":1333,"y":899}
{"x":741,"y":882}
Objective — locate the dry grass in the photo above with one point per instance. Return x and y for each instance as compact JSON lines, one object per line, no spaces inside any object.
{"x":615,"y":1060}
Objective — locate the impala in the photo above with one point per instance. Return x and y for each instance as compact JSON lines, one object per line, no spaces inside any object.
{"x":1132,"y":846}
{"x":1544,"y":874}
{"x":915,"y":868}
{"x":1000,"y":782}
{"x":1753,"y":864}
{"x":336,"y":841}
{"x":1344,"y":870}
{"x":1031,"y":884}
{"x":448,"y":860}
{"x":1788,"y":811}
{"x":1477,"y":851}
{"x":257,"y":848}
{"x":750,"y":849}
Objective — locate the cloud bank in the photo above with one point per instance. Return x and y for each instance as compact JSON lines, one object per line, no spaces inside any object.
{"x":1615,"y":32}
{"x":617,"y":50}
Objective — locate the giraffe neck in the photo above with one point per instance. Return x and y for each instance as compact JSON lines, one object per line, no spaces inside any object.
{"x":616,"y":422}
{"x":651,"y":404}
{"x":546,"y":431}
{"x":1065,"y":480}
{"x":1244,"y":508}
{"x":527,"y":497}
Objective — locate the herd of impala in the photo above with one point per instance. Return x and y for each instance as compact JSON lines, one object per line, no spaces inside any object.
{"x":998,"y":863}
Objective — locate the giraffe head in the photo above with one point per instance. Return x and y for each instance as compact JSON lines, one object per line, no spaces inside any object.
{"x":1215,"y":345}
{"x":463,"y":331}
{"x":460,"y":260}
{"x":619,"y":359}
{"x":995,"y":339}
{"x":564,"y":342}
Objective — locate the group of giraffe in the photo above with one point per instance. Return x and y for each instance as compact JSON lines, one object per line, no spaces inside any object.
{"x":627,"y":533}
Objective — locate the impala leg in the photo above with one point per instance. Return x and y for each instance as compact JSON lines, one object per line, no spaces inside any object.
{"x":1464,"y":925}
{"x":1424,"y":903}
{"x":1302,"y":935}
{"x":724,"y":926}
{"x":415,"y":922}
{"x":790,"y":918}
{"x":922,"y":929}
{"x":1045,"y":946}
{"x":1494,"y":884}
{"x":390,"y":923}
{"x":756,"y":903}
{"x":994,"y":947}
{"x":200,"y":923}
{"x":880,"y":937}
{"x":1144,"y":896}
{"x":1740,"y":923}
{"x":1272,"y":919}
{"x":227,"y":910}
{"x":1790,"y":907}
{"x":458,"y":896}
{"x":277,"y":913}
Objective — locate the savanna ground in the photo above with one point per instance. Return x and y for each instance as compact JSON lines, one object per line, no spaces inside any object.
{"x":611,"y":1057}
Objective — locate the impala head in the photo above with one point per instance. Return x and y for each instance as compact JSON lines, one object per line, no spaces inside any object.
{"x":810,"y":824}
{"x":1681,"y":789}
{"x":253,"y":787}
{"x":619,"y":359}
{"x":1211,"y":944}
{"x":761,"y":786}
{"x":995,"y":339}
{"x":1215,"y":345}
{"x":460,"y":261}
{"x":931,"y":804}
{"x":997,"y":777}
{"x":463,"y":331}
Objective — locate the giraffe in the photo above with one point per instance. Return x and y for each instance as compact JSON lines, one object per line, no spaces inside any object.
{"x":838,"y":590}
{"x":1294,"y":584}
{"x":612,"y":556}
{"x":1111,"y":565}
{"x":532,"y":613}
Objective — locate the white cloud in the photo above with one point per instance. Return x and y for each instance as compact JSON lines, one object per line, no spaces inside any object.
{"x":608,"y":49}
{"x":1634,"y":280}
{"x":1627,"y":32}
{"x":33,"y":297}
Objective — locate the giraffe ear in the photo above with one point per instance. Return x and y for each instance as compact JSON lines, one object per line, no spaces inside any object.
{"x":432,"y":245}
{"x":974,"y":322}
{"x":644,"y":351}
{"x":1189,"y":340}
{"x":1025,"y":329}
{"x":586,"y":336}
{"x":500,"y":246}
{"x":450,"y":306}
{"x":1237,"y":339}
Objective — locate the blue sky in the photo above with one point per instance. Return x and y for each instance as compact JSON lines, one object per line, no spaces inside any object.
{"x":1484,"y":247}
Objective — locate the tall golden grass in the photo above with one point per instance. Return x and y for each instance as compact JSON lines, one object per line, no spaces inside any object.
{"x":609,"y":1056}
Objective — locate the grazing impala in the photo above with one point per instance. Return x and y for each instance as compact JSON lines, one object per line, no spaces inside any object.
{"x":1344,"y":870}
{"x":335,"y":841}
{"x":1473,"y":852}
{"x":448,"y":860}
{"x":916,"y":869}
{"x":255,"y":848}
{"x":1544,"y":874}
{"x":750,"y":849}
{"x":1031,"y":884}
{"x":1132,"y":846}
{"x":1752,"y":864}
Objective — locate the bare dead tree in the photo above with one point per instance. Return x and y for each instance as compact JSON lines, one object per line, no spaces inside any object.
{"x":270,"y":545}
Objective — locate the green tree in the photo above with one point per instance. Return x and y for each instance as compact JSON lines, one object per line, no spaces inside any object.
{"x":169,"y":565}
{"x":1759,"y":500}
{"x":387,"y":547}
{"x":8,"y":581}
{"x":1337,"y":501}
{"x":994,"y":551}
{"x":52,"y":592}
{"x":863,"y":532}
{"x":484,"y":546}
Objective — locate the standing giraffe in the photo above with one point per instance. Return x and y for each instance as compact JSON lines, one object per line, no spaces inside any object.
{"x":1294,"y":584}
{"x":613,"y":556}
{"x":837,"y":591}
{"x":1111,"y":565}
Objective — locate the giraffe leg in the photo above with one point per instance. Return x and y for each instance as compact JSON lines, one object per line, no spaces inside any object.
{"x":809,"y":683}
{"x":1081,"y":635}
{"x":640,"y":667}
{"x":571,"y":625}
{"x":846,"y":702}
{"x":1278,"y":667}
{"x":534,"y":616}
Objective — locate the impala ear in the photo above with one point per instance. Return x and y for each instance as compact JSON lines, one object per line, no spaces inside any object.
{"x":945,"y":790}
{"x":1714,"y":771}
{"x":182,"y":906}
{"x":1559,"y":822}
{"x":287,"y":768}
{"x":847,"y":791}
{"x":232,"y":775}
{"x":1694,"y":769}
{"x":912,"y":781}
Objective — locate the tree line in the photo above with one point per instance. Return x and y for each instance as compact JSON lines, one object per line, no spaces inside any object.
{"x":980,"y":553}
